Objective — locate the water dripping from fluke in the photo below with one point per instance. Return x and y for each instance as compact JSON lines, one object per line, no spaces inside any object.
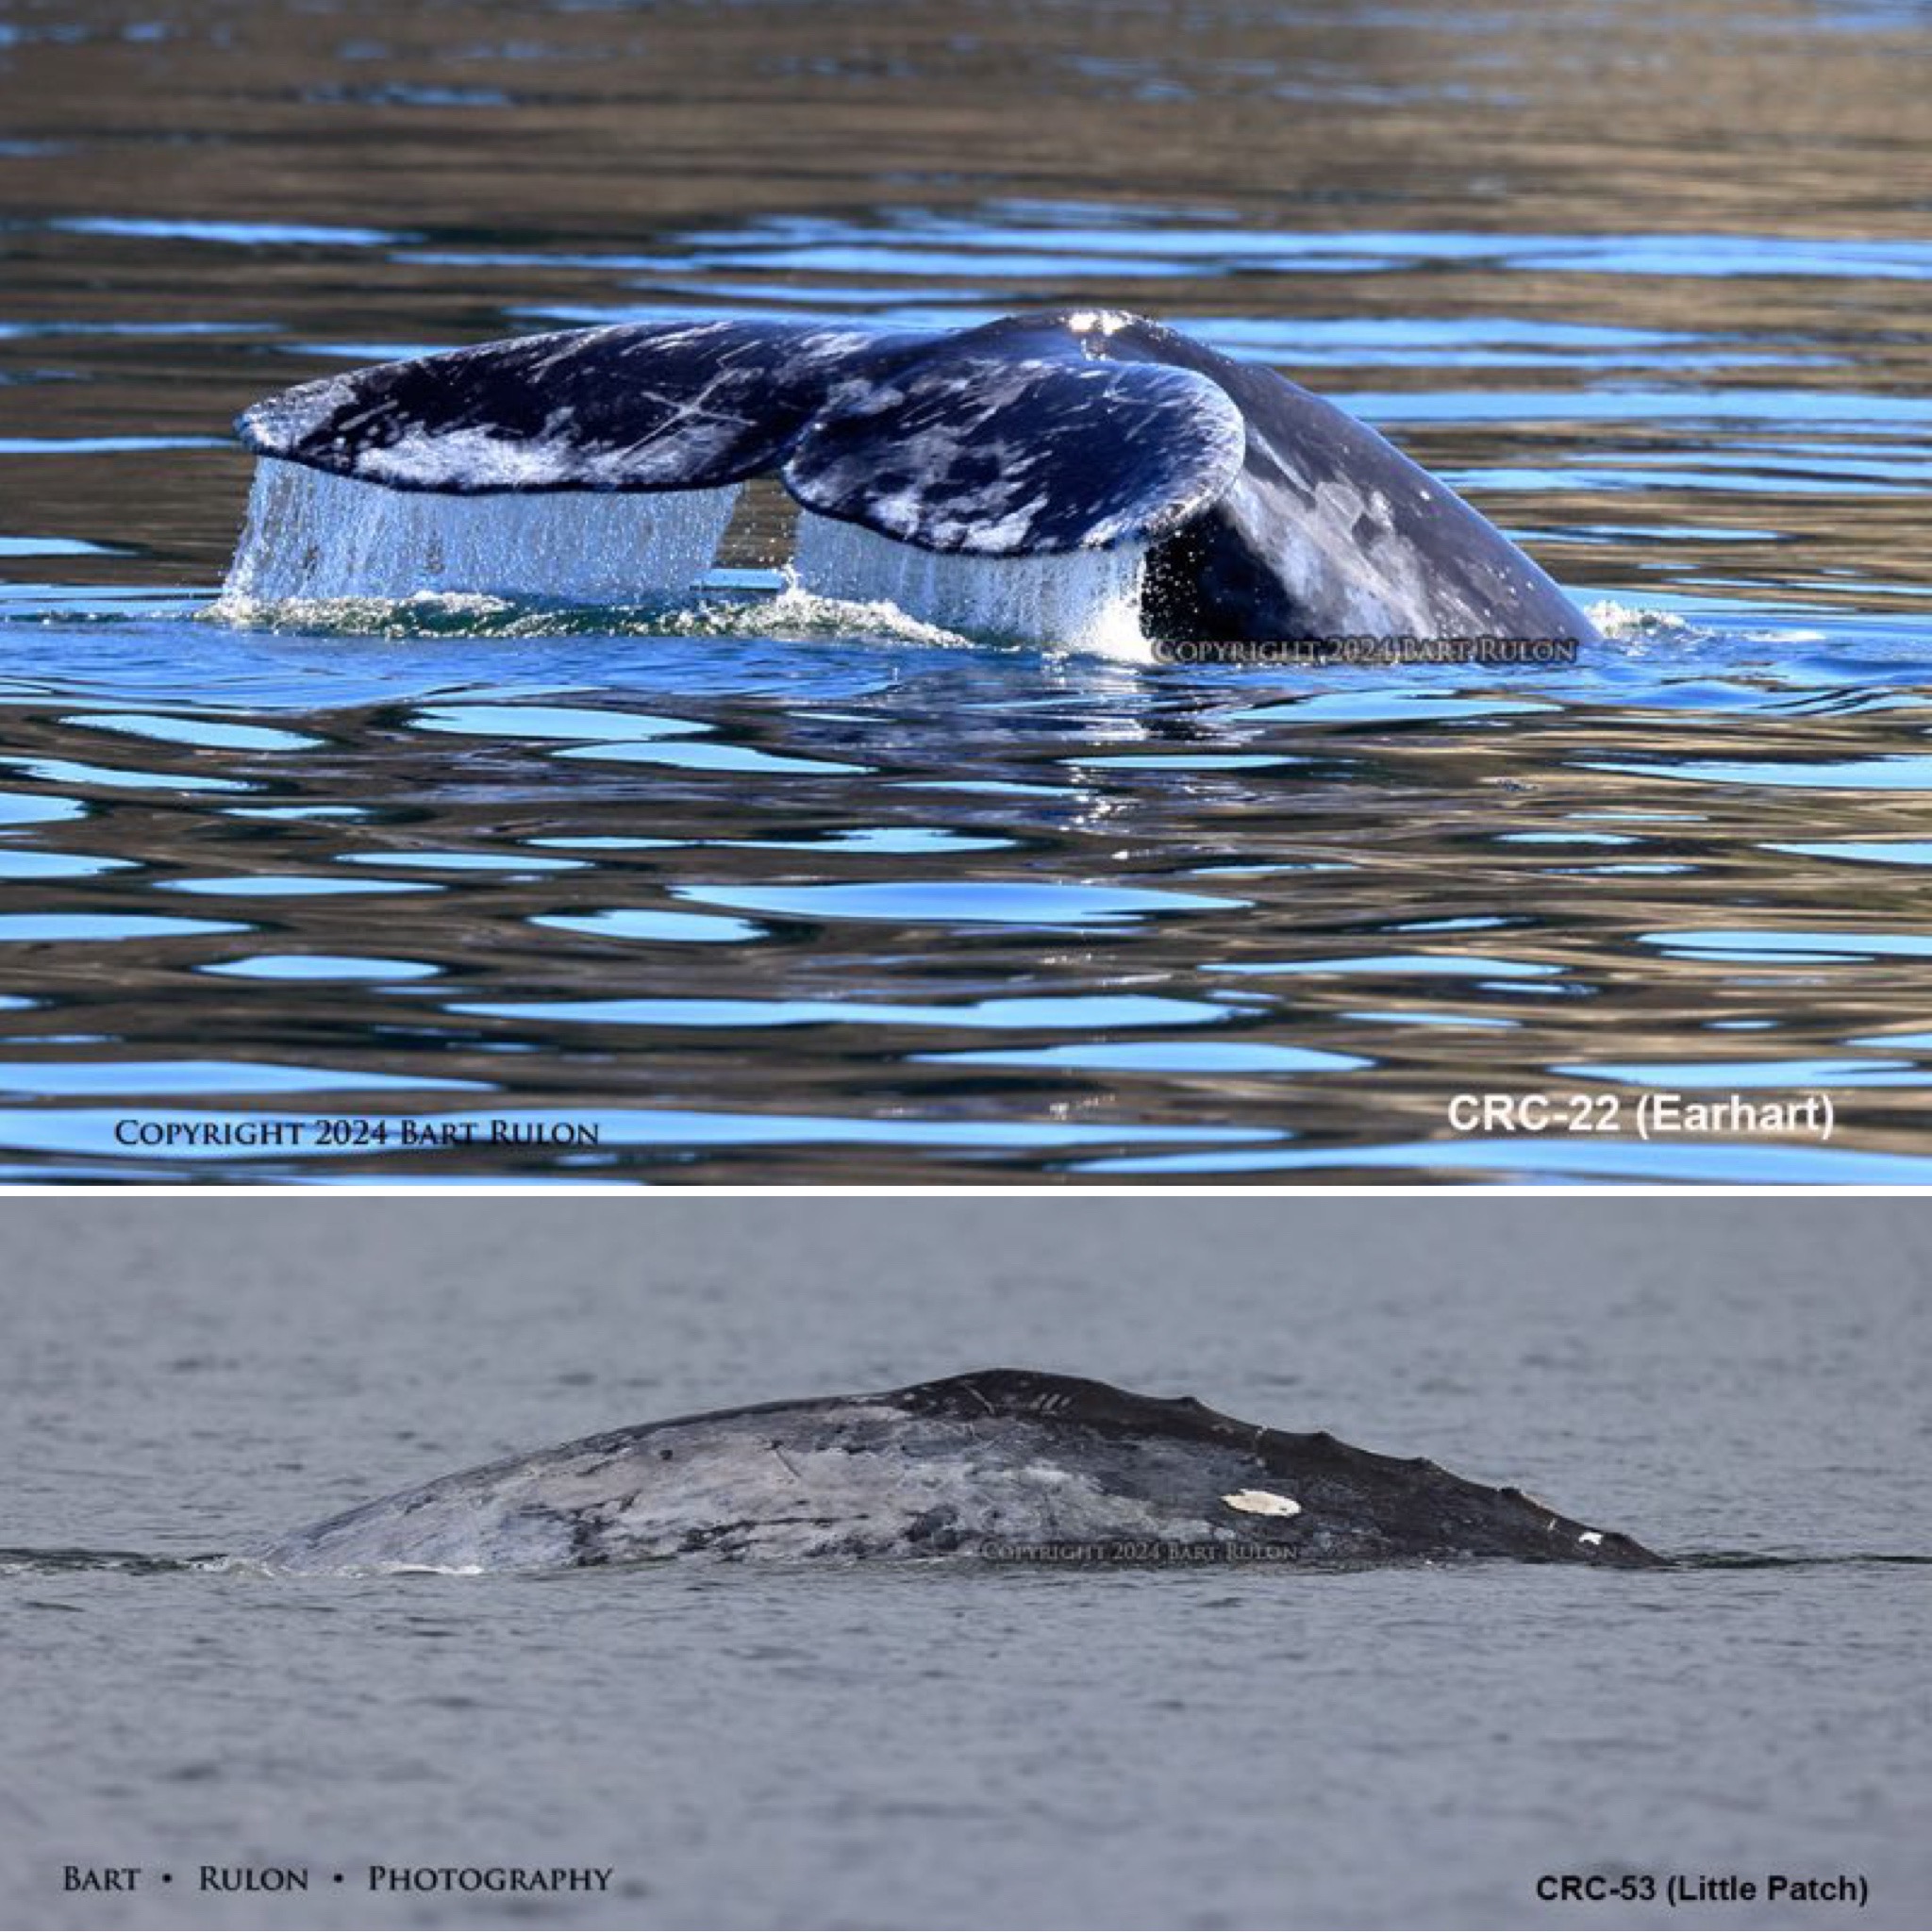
{"x":311,"y":537}
{"x":1089,"y":600}
{"x":363,"y":558}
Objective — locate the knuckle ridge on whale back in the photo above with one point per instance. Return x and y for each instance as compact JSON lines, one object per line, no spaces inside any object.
{"x":995,"y":1459}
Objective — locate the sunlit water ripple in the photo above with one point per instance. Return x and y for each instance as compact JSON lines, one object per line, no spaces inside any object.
{"x":762,"y":889}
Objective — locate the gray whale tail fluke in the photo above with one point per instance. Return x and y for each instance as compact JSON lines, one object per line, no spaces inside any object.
{"x":1003,"y":1465}
{"x":968,"y":472}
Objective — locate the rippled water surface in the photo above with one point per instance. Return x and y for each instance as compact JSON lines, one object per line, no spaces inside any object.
{"x":758,"y":888}
{"x":762,"y":1744}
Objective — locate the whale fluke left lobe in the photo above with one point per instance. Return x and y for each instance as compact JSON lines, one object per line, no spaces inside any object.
{"x":671,"y":405}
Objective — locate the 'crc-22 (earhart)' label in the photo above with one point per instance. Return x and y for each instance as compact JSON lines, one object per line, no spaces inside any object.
{"x":1655,"y":1114}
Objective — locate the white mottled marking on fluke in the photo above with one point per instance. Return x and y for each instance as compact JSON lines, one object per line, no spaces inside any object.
{"x":1262,"y":1502}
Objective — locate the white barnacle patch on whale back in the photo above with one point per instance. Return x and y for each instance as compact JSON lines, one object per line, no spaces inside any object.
{"x":1088,"y":601}
{"x":312,"y":535}
{"x":1592,"y":1536}
{"x":1262,"y":1502}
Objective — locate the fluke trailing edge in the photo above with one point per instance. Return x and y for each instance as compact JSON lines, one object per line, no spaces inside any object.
{"x":983,"y":470}
{"x":1005,"y":1463}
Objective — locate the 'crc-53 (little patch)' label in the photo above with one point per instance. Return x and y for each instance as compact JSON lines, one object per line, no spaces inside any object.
{"x":1680,"y":1888}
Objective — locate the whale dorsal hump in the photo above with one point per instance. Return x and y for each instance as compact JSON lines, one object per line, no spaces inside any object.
{"x":1019,"y":440}
{"x":1030,"y":1394}
{"x":682,"y":406}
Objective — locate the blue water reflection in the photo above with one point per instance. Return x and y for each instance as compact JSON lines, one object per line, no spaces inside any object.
{"x":749,"y":886}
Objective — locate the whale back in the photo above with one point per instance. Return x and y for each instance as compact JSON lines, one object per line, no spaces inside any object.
{"x":972,"y":1465}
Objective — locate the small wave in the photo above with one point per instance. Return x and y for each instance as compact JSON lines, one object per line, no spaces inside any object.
{"x":68,"y":1562}
{"x":1626,"y":624}
{"x":262,"y":1567}
{"x":59,"y":1562}
{"x":795,"y":613}
{"x":429,"y":613}
{"x":791,"y":613}
{"x":1754,"y":1559}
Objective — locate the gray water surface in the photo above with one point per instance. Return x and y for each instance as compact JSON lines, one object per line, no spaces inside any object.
{"x":953,"y":1746}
